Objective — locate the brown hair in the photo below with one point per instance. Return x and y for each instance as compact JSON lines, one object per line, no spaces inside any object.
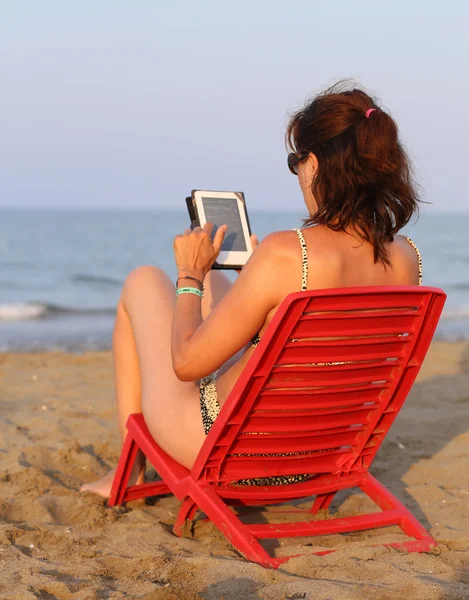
{"x":364,"y":180}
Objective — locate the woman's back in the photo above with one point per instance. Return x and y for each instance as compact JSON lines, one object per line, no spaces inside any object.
{"x":339,"y":259}
{"x":318,"y":258}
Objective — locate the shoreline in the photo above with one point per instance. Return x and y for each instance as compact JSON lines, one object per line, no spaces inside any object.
{"x":58,"y":429}
{"x":84,"y":333}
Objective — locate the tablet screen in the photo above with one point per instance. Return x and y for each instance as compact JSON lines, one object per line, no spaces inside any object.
{"x":225,"y":211}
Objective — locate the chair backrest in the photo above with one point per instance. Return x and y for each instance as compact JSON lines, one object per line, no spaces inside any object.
{"x":324,"y":385}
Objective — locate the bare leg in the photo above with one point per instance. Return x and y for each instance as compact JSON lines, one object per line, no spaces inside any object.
{"x":128,"y":387}
{"x":144,"y":378}
{"x":127,"y":378}
{"x":216,"y":285}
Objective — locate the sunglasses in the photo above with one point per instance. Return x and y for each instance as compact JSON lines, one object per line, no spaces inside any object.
{"x":294,"y":159}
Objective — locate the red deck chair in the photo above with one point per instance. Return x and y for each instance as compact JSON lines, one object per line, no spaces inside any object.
{"x":328,"y":420}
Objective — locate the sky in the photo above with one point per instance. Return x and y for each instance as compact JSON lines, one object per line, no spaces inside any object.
{"x":118,"y":104}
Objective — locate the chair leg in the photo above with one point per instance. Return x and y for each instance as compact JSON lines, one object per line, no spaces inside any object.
{"x":123,"y":471}
{"x":143,"y":490}
{"x":120,"y":493}
{"x":237,"y":533}
{"x":186,"y":514}
{"x":322,"y":501}
{"x":407,"y":522}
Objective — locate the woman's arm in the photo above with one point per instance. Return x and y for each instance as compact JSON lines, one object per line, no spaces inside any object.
{"x":198,"y":346}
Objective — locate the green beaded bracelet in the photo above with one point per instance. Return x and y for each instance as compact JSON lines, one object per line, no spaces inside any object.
{"x":189,"y":290}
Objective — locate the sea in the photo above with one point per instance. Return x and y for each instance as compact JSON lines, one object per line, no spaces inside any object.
{"x":61,"y":271}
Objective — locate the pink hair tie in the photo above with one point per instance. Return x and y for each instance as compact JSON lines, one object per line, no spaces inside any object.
{"x":368,"y":112}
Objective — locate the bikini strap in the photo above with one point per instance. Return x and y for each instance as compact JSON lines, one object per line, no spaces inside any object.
{"x":419,"y":258}
{"x":304,"y":275}
{"x":304,"y":260}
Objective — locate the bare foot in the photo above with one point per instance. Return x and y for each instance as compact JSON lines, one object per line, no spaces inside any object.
{"x":103,"y":486}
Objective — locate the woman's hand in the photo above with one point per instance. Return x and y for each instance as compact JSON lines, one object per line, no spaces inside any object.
{"x":195,"y":252}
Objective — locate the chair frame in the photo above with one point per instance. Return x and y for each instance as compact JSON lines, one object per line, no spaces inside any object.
{"x":361,"y":325}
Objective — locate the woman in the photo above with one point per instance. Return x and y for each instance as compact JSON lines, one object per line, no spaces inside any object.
{"x":177,"y":356}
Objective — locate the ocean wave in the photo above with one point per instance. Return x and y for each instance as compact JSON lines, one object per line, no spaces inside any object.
{"x":23,"y":311}
{"x":98,"y":279}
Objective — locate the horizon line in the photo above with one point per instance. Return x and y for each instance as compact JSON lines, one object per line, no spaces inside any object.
{"x":423,"y":210}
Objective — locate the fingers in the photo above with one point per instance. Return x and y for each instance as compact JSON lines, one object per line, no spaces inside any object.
{"x":208,"y":228}
{"x":218,"y":238}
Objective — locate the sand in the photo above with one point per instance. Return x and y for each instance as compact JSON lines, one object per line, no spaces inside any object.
{"x":57,"y":430}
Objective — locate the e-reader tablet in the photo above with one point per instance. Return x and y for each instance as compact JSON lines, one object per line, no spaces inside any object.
{"x":224,"y":208}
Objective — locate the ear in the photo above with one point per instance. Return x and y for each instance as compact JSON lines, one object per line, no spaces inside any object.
{"x":313,"y":163}
{"x":307,"y":171}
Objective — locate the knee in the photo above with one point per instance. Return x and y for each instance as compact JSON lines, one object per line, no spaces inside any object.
{"x":141,"y":278}
{"x":143,"y":273}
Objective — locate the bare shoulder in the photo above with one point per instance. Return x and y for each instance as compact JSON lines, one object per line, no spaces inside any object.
{"x":280,"y":237}
{"x":279,"y":243}
{"x":277,"y":255}
{"x":404,"y":255}
{"x":407,"y":247}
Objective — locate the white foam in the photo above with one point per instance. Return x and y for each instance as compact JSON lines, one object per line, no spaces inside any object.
{"x":21,"y":312}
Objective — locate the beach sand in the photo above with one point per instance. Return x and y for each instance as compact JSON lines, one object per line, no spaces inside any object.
{"x":58,"y":430}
